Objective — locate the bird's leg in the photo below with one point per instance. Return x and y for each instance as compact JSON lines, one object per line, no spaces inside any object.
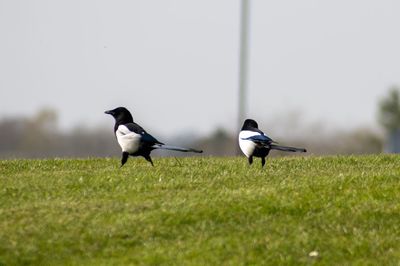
{"x":262,"y":161}
{"x":250,"y":160}
{"x":125,"y":156}
{"x":148,"y":158}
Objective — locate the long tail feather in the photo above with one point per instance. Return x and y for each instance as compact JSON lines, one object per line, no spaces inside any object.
{"x":285,"y":148}
{"x":175,"y":148}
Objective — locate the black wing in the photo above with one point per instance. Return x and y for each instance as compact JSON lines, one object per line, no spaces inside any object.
{"x":260,"y":139}
{"x":146,"y":137}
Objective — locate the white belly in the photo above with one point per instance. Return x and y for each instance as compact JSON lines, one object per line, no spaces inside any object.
{"x":247,"y":146}
{"x":129,"y":142}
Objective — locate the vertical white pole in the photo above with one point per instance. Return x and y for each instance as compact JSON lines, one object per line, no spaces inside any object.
{"x":243,"y":61}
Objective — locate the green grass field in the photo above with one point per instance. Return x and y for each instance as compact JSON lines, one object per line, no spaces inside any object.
{"x":203,"y":211}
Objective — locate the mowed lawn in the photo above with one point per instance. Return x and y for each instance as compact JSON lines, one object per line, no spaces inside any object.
{"x":201,"y":211}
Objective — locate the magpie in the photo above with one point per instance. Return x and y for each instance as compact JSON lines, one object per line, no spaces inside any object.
{"x":254,"y":143}
{"x":134,"y":140}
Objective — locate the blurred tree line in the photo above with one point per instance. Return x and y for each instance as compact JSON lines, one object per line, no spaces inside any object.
{"x":39,"y":136}
{"x":389,"y":118}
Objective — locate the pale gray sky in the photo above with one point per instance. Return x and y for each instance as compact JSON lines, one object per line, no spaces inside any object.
{"x":174,"y":63}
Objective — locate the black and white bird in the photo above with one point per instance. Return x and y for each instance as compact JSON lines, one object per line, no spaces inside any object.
{"x":134,"y":140}
{"x":254,"y":143}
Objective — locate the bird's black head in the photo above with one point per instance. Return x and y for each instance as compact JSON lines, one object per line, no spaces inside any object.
{"x":121,"y":115}
{"x":249,"y":123}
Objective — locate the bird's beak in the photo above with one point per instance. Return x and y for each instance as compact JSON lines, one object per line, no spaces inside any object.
{"x":109,"y":112}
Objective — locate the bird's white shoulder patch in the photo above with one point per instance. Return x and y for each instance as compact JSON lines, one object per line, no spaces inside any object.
{"x":123,"y":130}
{"x":247,"y":133}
